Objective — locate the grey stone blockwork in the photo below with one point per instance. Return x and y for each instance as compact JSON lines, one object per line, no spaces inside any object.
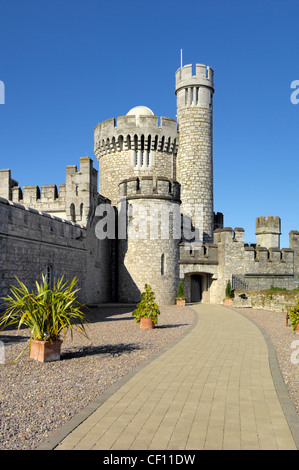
{"x":156,"y":195}
{"x":33,"y":242}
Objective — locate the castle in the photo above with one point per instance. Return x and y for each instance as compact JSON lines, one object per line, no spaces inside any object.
{"x":152,"y":219}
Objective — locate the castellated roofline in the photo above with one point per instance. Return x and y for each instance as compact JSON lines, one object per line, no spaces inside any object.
{"x":26,"y":208}
{"x":204,"y":76}
{"x":268,"y":225}
{"x":149,"y":187}
{"x":128,"y":131}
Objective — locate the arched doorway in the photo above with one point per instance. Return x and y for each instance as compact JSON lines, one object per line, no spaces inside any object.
{"x":196,"y":288}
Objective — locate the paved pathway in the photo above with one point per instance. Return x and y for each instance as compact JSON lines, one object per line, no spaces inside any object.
{"x":217,"y":388}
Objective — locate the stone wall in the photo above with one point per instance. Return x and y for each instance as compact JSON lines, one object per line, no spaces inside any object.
{"x":248,"y":267}
{"x":257,"y":267}
{"x":277,"y":301}
{"x":72,"y":201}
{"x":32,"y":243}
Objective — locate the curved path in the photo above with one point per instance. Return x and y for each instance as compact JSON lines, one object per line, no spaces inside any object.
{"x":219,"y":387}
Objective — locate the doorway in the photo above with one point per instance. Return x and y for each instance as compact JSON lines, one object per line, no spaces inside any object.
{"x":196,"y":288}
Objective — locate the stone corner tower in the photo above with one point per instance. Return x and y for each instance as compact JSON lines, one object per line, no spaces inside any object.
{"x":268,"y":231}
{"x":194,"y":94}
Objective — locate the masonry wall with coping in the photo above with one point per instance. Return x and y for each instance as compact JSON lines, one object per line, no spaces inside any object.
{"x":228,"y":258}
{"x":33,"y":242}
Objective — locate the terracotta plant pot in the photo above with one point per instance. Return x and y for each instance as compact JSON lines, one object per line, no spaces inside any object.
{"x":181,"y":302}
{"x":45,"y":351}
{"x":297,"y":329}
{"x":228,"y":302}
{"x":146,"y":323}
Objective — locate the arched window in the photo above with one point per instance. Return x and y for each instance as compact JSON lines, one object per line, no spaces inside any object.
{"x":73,"y":212}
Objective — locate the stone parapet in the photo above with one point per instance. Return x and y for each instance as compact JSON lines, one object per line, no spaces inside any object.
{"x":29,"y":223}
{"x":204,"y":76}
{"x":191,"y":253}
{"x":149,"y":187}
{"x":130,"y":133}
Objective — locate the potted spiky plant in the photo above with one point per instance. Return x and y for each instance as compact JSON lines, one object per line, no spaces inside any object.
{"x":181,"y":299}
{"x":47,"y":313}
{"x":229,"y":295}
{"x":147,"y":310}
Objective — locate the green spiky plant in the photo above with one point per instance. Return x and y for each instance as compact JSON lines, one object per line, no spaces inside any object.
{"x":47,"y":313}
{"x":181,"y":291}
{"x":228,"y":290}
{"x":147,"y":307}
{"x":294,"y":316}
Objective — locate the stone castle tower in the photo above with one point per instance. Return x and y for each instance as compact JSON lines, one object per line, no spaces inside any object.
{"x":148,"y":169}
{"x":156,"y":184}
{"x":149,"y":253}
{"x":195,"y":151}
{"x":137,"y":159}
{"x":268,"y":231}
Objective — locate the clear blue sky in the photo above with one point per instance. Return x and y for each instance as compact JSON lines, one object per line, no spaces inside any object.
{"x":68,"y":65}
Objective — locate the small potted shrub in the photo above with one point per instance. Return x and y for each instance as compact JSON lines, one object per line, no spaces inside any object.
{"x":147,"y":310}
{"x":228,"y":301}
{"x":293,"y":315}
{"x":47,"y":313}
{"x":181,"y":299}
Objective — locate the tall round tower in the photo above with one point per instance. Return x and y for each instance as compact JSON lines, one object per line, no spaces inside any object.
{"x":195,"y":150}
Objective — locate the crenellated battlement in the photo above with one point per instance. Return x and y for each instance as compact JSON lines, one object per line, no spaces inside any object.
{"x":72,"y":200}
{"x":27,"y":222}
{"x":268,"y":224}
{"x":227,"y":235}
{"x":268,"y":231}
{"x":32,"y":193}
{"x":136,"y":133}
{"x":204,"y":76}
{"x":149,"y":187}
{"x":206,"y":254}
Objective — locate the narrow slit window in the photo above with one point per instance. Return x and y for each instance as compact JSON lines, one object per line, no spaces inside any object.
{"x":162,"y":264}
{"x":49,"y":276}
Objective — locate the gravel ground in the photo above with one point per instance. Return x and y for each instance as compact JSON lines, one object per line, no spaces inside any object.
{"x":37,"y":398}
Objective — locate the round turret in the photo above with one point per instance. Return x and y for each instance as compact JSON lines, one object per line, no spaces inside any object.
{"x":136,"y":146}
{"x":148,"y":248}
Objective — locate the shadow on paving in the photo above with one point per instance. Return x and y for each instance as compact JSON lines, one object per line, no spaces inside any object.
{"x":13,"y":339}
{"x":107,"y":349}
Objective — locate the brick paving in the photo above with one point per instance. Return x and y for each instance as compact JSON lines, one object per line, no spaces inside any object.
{"x":219,"y":387}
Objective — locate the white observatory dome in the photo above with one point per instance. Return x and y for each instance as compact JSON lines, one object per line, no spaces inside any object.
{"x":140,"y":111}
